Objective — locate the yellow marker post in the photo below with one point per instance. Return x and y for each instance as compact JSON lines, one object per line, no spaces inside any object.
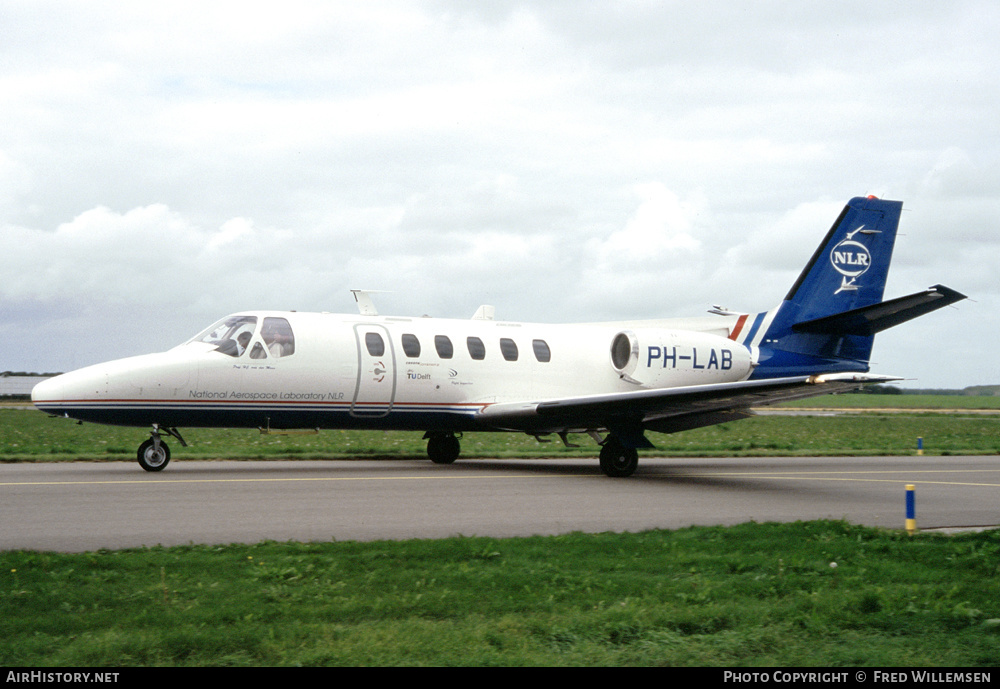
{"x":920,"y":446}
{"x":911,"y":509}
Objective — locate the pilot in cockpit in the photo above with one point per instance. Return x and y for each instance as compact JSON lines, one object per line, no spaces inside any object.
{"x":278,"y":337}
{"x":242,"y":342}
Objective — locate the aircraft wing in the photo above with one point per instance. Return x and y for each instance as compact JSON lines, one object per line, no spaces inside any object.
{"x":629,"y":414}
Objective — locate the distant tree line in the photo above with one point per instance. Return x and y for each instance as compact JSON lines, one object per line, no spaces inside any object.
{"x":971,"y":391}
{"x":6,"y":374}
{"x":878,"y":390}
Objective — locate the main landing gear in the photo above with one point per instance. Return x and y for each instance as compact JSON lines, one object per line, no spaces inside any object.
{"x":154,"y":454}
{"x":442,"y":448}
{"x":618,"y":461}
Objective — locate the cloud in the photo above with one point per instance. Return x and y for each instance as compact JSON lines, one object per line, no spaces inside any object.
{"x":163,"y":166}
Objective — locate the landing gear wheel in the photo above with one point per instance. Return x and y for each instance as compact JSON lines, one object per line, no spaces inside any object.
{"x":443,"y":449}
{"x":151,"y":457}
{"x":618,"y":461}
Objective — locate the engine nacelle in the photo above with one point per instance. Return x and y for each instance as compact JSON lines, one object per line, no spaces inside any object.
{"x":658,"y":358}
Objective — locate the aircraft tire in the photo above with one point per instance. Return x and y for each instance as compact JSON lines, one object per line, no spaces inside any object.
{"x":443,"y":449}
{"x":618,"y":461}
{"x":150,"y":459}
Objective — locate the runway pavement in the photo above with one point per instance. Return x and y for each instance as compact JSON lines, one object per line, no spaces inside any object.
{"x":87,"y":506}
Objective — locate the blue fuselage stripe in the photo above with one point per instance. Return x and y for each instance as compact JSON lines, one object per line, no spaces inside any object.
{"x":754,"y":328}
{"x":222,"y":415}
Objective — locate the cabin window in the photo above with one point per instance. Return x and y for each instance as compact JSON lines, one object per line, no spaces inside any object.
{"x":278,"y":337}
{"x":508,"y":348}
{"x":541,"y":348}
{"x":375,"y":344}
{"x":411,"y":346}
{"x":443,"y":346}
{"x":477,"y":350}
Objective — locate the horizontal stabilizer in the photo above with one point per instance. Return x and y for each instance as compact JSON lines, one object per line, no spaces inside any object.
{"x":869,"y":320}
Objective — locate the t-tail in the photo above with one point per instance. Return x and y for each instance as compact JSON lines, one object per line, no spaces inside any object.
{"x":828,"y":320}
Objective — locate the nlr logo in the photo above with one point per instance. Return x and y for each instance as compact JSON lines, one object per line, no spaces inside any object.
{"x":851,"y":259}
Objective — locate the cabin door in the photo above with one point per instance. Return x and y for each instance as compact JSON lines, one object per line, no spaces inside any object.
{"x":376,"y":386}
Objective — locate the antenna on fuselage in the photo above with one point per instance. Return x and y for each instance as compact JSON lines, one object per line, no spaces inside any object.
{"x":484,"y":313}
{"x":365,"y":304}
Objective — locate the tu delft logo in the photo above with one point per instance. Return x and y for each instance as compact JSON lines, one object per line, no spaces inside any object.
{"x":851,"y":259}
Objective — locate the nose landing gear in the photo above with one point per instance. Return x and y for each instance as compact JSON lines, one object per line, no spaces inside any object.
{"x":154,"y":454}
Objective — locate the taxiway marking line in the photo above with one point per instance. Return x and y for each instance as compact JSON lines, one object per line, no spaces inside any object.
{"x":909,"y":476}
{"x":925,"y":482}
{"x":280,"y":480}
{"x":913,"y":476}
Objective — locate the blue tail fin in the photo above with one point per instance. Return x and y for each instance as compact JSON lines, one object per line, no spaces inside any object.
{"x":849,"y":268}
{"x":828,"y":320}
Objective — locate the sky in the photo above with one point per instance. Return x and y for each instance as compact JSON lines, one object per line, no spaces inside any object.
{"x":165,"y":164}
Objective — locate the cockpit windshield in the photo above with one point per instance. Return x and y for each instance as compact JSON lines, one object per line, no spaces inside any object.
{"x":237,"y":334}
{"x":230,"y":336}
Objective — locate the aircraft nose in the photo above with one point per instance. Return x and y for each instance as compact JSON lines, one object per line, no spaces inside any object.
{"x":70,"y":394}
{"x":97,"y":393}
{"x":49,"y":392}
{"x":67,"y":389}
{"x":44,"y":391}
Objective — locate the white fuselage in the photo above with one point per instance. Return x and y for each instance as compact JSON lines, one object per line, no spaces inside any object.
{"x":285,"y":370}
{"x":343,"y":371}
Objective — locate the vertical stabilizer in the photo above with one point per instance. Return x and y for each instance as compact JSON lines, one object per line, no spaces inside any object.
{"x":847,"y":272}
{"x":849,"y":268}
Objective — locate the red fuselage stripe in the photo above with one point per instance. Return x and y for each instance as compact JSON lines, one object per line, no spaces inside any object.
{"x":739,"y":327}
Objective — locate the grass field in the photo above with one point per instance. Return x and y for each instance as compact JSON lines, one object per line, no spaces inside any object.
{"x":938,"y":402}
{"x":745,"y":596}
